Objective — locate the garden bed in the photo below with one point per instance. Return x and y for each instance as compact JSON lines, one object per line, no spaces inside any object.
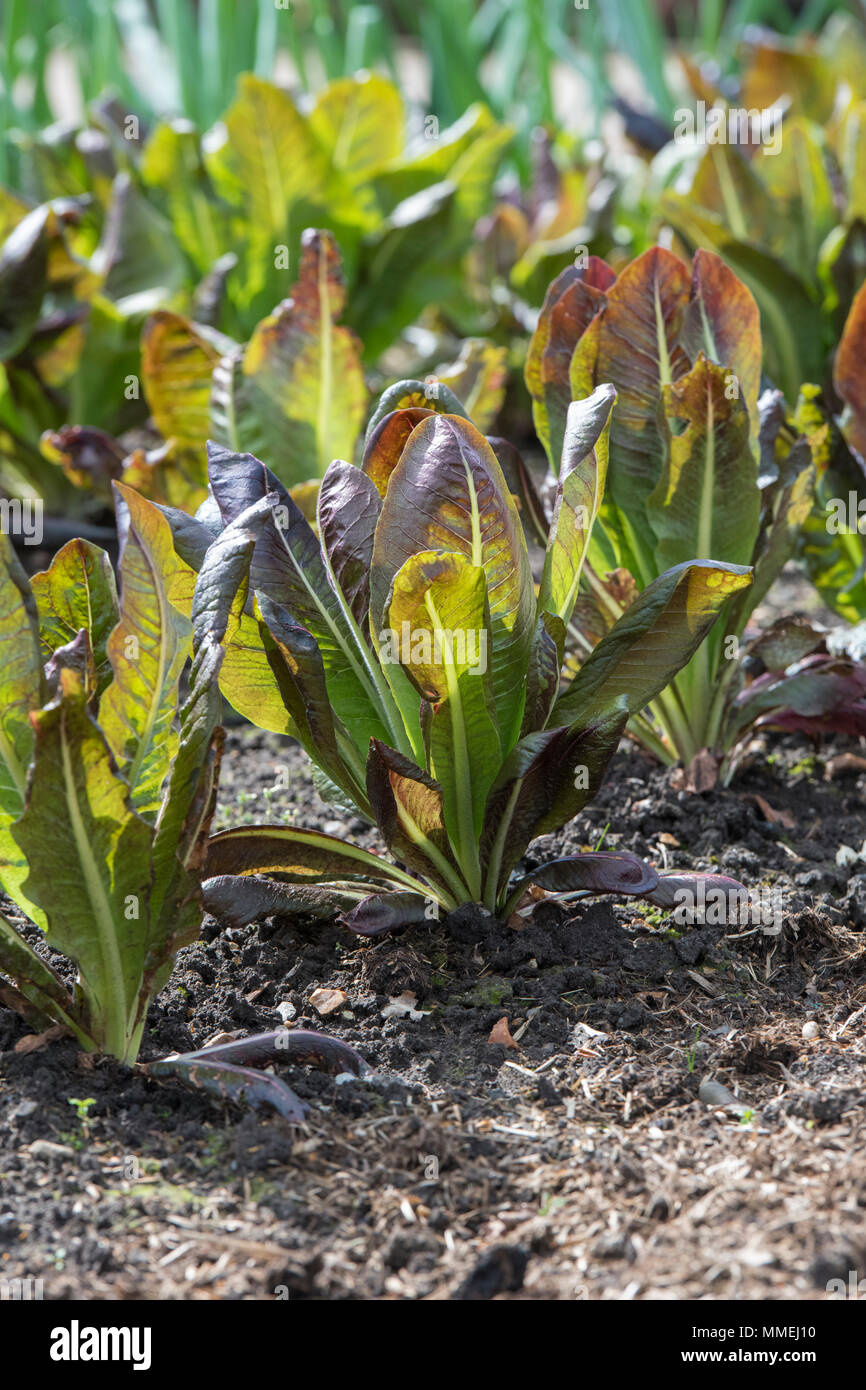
{"x":581,"y":1164}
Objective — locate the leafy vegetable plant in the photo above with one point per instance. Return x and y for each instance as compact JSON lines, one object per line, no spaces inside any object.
{"x":700,"y":463}
{"x":105,"y":808}
{"x":834,"y":547}
{"x":294,"y":394}
{"x":403,"y":644}
{"x":783,"y":207}
{"x":105,"y":805}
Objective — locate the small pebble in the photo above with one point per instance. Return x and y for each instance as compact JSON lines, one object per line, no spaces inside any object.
{"x":328,"y":1001}
{"x":714,"y":1094}
{"x":811,"y":1029}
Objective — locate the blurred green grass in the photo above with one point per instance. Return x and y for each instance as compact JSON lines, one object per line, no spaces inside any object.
{"x":183,"y":57}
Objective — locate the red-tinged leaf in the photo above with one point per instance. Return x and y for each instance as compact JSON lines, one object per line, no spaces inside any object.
{"x":724,"y":322}
{"x":348,"y":509}
{"x":530,"y":492}
{"x":546,"y":779}
{"x":816,"y":686}
{"x":447,"y":493}
{"x":653,"y":639}
{"x":706,"y":503}
{"x":297,"y":396}
{"x":90,"y":458}
{"x":407,"y":804}
{"x":596,"y":871}
{"x":571,"y":302}
{"x":281,"y":1045}
{"x":226,"y":1069}
{"x":236,"y":901}
{"x":691,"y":893}
{"x":386,"y":441}
{"x":414,"y":395}
{"x":633,"y":342}
{"x":849,"y":376}
{"x":579,"y":492}
{"x":296,"y":665}
{"x":296,"y":855}
{"x":225,"y":1081}
{"x":288,"y":567}
{"x":542,"y":673}
{"x":844,"y":719}
{"x":386,"y":912}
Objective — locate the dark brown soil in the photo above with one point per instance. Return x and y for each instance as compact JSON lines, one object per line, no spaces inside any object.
{"x":582,"y":1164}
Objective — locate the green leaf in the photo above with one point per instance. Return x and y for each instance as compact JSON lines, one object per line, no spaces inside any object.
{"x":22,"y":684}
{"x":402,"y":271}
{"x":89,"y":859}
{"x":143,"y":265}
{"x":296,"y":855}
{"x":447,"y":493}
{"x":478,"y":378}
{"x":653,"y":639}
{"x":290,"y":568}
{"x":36,"y":981}
{"x":438,"y":630}
{"x":78,"y":591}
{"x":359,"y":120}
{"x":296,"y":397}
{"x":348,"y":510}
{"x":570,"y":304}
{"x":706,"y":502}
{"x":269,"y":157}
{"x":547,"y":778}
{"x":23,"y":272}
{"x":177,"y":363}
{"x":147,"y":651}
{"x":172,"y":162}
{"x":582,"y":477}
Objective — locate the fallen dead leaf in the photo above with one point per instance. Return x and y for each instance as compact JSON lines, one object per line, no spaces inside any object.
{"x":34,"y":1042}
{"x":501,"y":1033}
{"x":700,"y":775}
{"x":768,"y":812}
